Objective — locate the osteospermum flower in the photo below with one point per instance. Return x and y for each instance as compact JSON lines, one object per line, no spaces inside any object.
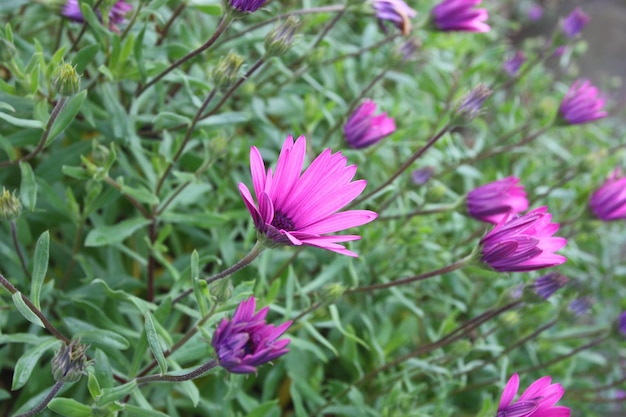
{"x":395,"y":11}
{"x":460,"y":15}
{"x":574,"y":23}
{"x":524,"y":243}
{"x":609,"y":201}
{"x":582,"y":104}
{"x":548,"y":284}
{"x":246,"y":6}
{"x":300,"y":209}
{"x":538,"y":400}
{"x":364,"y":129}
{"x":494,"y":201}
{"x":117,"y":14}
{"x":511,"y":66}
{"x":247,"y":341}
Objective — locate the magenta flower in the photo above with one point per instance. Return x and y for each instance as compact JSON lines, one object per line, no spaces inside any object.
{"x":524,"y":243}
{"x":395,"y":11}
{"x":609,"y":201}
{"x":580,"y":305}
{"x":460,"y":15}
{"x":622,"y":323}
{"x":117,"y":14}
{"x":246,"y":6}
{"x":511,"y":66}
{"x":538,"y":400}
{"x":574,"y":23}
{"x":298,"y":209}
{"x":247,"y":341}
{"x":494,"y":201}
{"x":364,"y":129}
{"x":535,"y":12}
{"x":548,"y":284}
{"x":582,"y":104}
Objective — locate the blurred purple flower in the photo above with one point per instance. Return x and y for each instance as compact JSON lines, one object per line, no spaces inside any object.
{"x":247,"y":341}
{"x":538,"y":400}
{"x":363,"y":129}
{"x":295,"y":208}
{"x":559,"y":51}
{"x":246,"y":6}
{"x":494,"y":201}
{"x":582,"y":104}
{"x":548,"y":284}
{"x":535,"y":12}
{"x":523,"y":243}
{"x":117,"y":14}
{"x":512,"y":65}
{"x":422,"y":175}
{"x":460,"y":15}
{"x":395,"y":11}
{"x":574,"y":23}
{"x":622,"y":323}
{"x":609,"y":201}
{"x":580,"y":306}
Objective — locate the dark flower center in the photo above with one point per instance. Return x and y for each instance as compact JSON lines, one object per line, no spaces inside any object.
{"x":282,"y":222}
{"x":250,"y":346}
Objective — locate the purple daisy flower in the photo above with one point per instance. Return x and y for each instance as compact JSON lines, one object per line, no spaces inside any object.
{"x":538,"y":400}
{"x":582,"y":104}
{"x":460,"y":15}
{"x":117,"y":14}
{"x":609,"y":201}
{"x":395,"y":11}
{"x":494,"y":201}
{"x":574,"y":23}
{"x":364,"y":129}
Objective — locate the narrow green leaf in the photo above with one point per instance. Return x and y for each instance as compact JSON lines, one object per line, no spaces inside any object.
{"x":28,"y":186}
{"x":103,"y":338}
{"x":66,"y":116}
{"x":27,"y":362}
{"x":134,"y":411}
{"x":191,"y":390}
{"x":69,"y":407}
{"x":25,"y":123}
{"x":93,"y":386}
{"x":264,"y":409}
{"x":40,"y":267}
{"x":84,"y":57}
{"x":110,"y":395}
{"x":140,"y":194}
{"x":154,"y":343}
{"x":24,"y":310}
{"x":108,"y":235}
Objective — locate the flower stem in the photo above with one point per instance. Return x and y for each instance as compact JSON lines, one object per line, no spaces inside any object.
{"x":179,"y":378}
{"x":245,"y":261}
{"x":167,"y":26}
{"x":53,"y":393}
{"x":404,"y":166}
{"x":221,"y":27}
{"x":452,"y":267}
{"x":84,"y":28}
{"x":442,"y":208}
{"x":6,"y":284}
{"x":16,"y":243}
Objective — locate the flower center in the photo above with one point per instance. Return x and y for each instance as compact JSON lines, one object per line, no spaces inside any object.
{"x":250,"y":346}
{"x":282,"y":222}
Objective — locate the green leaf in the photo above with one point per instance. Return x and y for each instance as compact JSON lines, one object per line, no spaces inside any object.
{"x":191,"y":390}
{"x":168,"y":119}
{"x":40,"y":267}
{"x":263,"y":409}
{"x":28,"y":186}
{"x":27,"y":362}
{"x":103,"y":338}
{"x":25,"y":123}
{"x":84,"y":57}
{"x":93,"y":386}
{"x":110,"y":395}
{"x":108,"y":235}
{"x":134,"y":411}
{"x":140,"y":194}
{"x":154,"y":343}
{"x":24,"y":310}
{"x":66,"y":116}
{"x":69,"y":407}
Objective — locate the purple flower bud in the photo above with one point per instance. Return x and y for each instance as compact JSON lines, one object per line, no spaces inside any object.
{"x":422,"y":175}
{"x":574,"y":23}
{"x":524,"y":243}
{"x":247,"y":341}
{"x":117,"y":14}
{"x":363,"y":129}
{"x":609,"y":201}
{"x":535,"y":12}
{"x":580,"y":306}
{"x":472,"y":103}
{"x":494,"y":201}
{"x":622,"y":323}
{"x":460,"y":15}
{"x":246,"y":6}
{"x":512,"y":65}
{"x":548,"y":284}
{"x":395,"y":11}
{"x":582,"y":104}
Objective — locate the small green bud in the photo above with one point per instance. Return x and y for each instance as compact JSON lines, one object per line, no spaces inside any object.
{"x":10,"y":206}
{"x":461,"y":349}
{"x":65,"y":80}
{"x":227,"y":70}
{"x":70,"y":362}
{"x":331,"y":293}
{"x":280,"y":38}
{"x":7,"y":50}
{"x":221,"y":290}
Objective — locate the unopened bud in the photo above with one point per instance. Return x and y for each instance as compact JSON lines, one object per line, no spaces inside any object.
{"x":221,"y":290}
{"x":70,"y":362}
{"x":280,"y":38}
{"x":65,"y":80}
{"x":407,"y":51}
{"x":331,"y":293}
{"x":472,"y":104}
{"x":10,"y":206}
{"x":227,"y":70}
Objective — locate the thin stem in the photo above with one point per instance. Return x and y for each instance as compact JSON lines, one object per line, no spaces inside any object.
{"x":452,"y":267}
{"x":179,"y":378}
{"x":133,"y":19}
{"x":6,"y":284}
{"x":420,"y":212}
{"x":53,"y":393}
{"x":130,"y":198}
{"x":44,"y":137}
{"x":597,"y":389}
{"x":404,"y":166}
{"x":16,"y":243}
{"x":245,"y":261}
{"x":167,"y":26}
{"x":186,"y":139}
{"x":84,"y":28}
{"x":307,"y":311}
{"x":221,"y":27}
{"x":152,"y":235}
